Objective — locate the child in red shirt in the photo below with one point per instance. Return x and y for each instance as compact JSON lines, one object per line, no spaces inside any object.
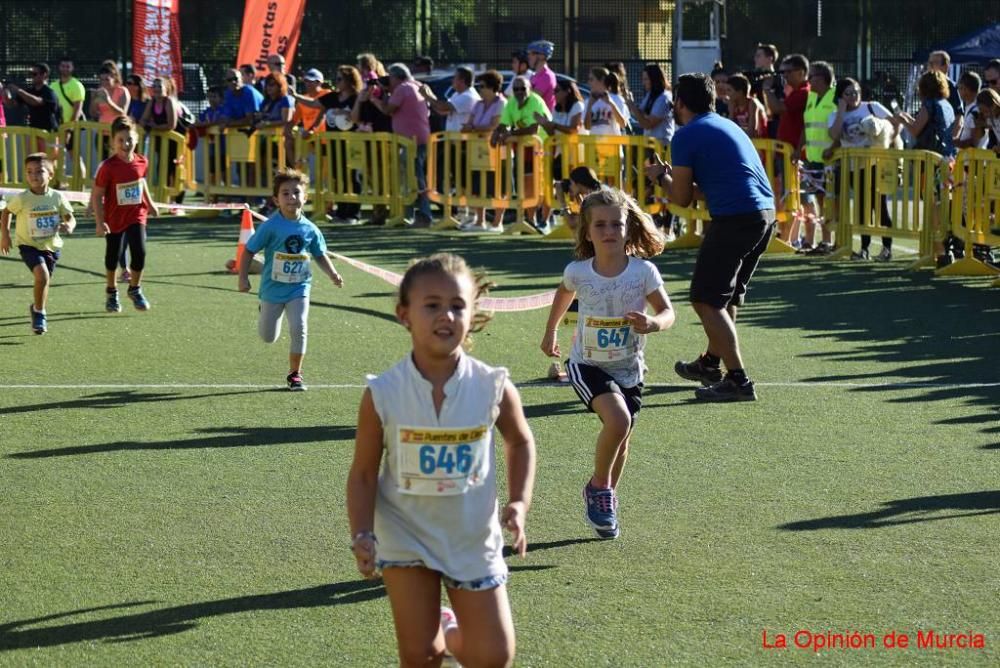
{"x":121,"y":202}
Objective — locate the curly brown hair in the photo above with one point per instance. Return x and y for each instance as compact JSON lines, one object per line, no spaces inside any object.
{"x":642,"y":239}
{"x":351,"y":76}
{"x":449,"y":264}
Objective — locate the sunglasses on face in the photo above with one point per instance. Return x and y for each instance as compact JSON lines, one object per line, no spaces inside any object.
{"x":519,"y":89}
{"x":232,"y":80}
{"x":992,"y":82}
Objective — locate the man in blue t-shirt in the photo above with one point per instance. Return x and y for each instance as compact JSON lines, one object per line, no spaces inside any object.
{"x":715,"y":160}
{"x":240,"y":101}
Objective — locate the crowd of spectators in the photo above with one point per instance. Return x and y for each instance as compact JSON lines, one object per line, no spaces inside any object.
{"x":786,"y":98}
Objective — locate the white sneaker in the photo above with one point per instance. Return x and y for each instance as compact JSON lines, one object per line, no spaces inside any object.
{"x":448,"y":619}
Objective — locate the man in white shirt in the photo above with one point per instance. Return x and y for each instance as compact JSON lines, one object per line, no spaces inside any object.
{"x":458,"y":111}
{"x":972,"y":136}
{"x":458,"y":107}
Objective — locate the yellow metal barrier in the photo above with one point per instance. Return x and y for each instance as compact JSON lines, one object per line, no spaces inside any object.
{"x":779,"y":160}
{"x":618,"y":161}
{"x":975,"y":207}
{"x":908,"y":180}
{"x":237,"y":161}
{"x":169,"y":159}
{"x":466,"y":168}
{"x":86,"y":144}
{"x":365,"y":168}
{"x":17,"y":143}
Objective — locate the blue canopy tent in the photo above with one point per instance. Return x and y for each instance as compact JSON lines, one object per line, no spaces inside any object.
{"x":974,"y":48}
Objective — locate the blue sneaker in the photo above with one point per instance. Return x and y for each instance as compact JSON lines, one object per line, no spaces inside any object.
{"x":112,"y":305}
{"x":38,"y":322}
{"x":601,"y":511}
{"x":138,"y":299}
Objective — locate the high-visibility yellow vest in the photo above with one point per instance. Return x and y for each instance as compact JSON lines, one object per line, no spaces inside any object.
{"x":817,"y":117}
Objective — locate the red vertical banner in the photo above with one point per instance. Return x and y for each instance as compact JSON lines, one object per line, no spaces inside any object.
{"x":156,"y":40}
{"x":269,"y":27}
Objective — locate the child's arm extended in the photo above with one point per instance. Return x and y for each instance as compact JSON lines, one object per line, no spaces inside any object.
{"x":5,"y":231}
{"x":324,"y":263}
{"x":519,"y":448}
{"x":362,"y":482}
{"x":97,"y":204}
{"x":560,"y":304}
{"x":663,"y":317}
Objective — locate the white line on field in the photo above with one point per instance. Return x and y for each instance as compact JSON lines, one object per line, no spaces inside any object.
{"x":526,"y":385}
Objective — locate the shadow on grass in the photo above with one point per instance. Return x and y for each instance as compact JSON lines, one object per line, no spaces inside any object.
{"x":906,"y":327}
{"x":211,"y":437}
{"x":167,"y":621}
{"x":24,"y":322}
{"x":552,"y":545}
{"x":908,"y":511}
{"x":119,"y":399}
{"x":360,"y":310}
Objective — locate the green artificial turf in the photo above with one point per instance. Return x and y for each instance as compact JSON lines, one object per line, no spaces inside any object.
{"x":186,"y":525}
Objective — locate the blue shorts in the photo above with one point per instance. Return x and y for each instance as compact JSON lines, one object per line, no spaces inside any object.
{"x":480,"y":584}
{"x":33,"y":257}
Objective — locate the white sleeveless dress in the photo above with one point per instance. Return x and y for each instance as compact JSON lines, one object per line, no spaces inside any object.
{"x":437,"y":496}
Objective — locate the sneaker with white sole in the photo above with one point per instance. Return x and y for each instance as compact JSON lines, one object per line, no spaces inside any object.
{"x":601,"y":511}
{"x":884,"y":256}
{"x":294,"y":380}
{"x":112,"y":305}
{"x":138,"y":299}
{"x":861,"y":255}
{"x":39,"y":323}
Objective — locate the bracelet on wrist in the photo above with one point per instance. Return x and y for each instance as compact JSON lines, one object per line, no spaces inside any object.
{"x":361,"y":535}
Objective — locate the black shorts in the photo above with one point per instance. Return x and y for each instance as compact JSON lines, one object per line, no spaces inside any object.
{"x":590,"y":382}
{"x":33,"y":257}
{"x":728,"y":256}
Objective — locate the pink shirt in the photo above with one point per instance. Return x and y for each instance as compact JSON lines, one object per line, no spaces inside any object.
{"x":105,"y":114}
{"x":412,"y":118}
{"x":543,"y":82}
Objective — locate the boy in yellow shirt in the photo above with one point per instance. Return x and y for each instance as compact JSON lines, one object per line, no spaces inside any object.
{"x":40,"y":214}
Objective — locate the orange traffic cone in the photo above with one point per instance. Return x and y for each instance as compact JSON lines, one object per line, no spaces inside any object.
{"x":246,"y":231}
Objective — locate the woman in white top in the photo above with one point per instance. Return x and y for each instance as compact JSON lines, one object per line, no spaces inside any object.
{"x":567,"y":119}
{"x":655,"y":112}
{"x":484,"y":119}
{"x":424,"y":476}
{"x":845,"y":131}
{"x":603,"y":115}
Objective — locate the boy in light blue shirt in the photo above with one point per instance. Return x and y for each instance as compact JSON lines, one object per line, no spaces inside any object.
{"x":291,"y":244}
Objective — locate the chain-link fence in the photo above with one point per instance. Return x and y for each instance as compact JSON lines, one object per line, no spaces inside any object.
{"x":873,"y":41}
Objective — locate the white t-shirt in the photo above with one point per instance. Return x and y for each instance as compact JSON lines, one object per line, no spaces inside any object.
{"x":852,"y":136}
{"x":611,"y":346}
{"x":564,"y":117}
{"x":969,"y":125}
{"x":437,"y":495}
{"x":463,"y":103}
{"x":602,"y":119}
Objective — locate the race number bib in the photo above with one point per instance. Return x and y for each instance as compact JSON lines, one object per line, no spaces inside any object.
{"x":43,"y":223}
{"x":441,"y":462}
{"x":129,"y":194}
{"x":291,"y":268}
{"x":608,"y":339}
